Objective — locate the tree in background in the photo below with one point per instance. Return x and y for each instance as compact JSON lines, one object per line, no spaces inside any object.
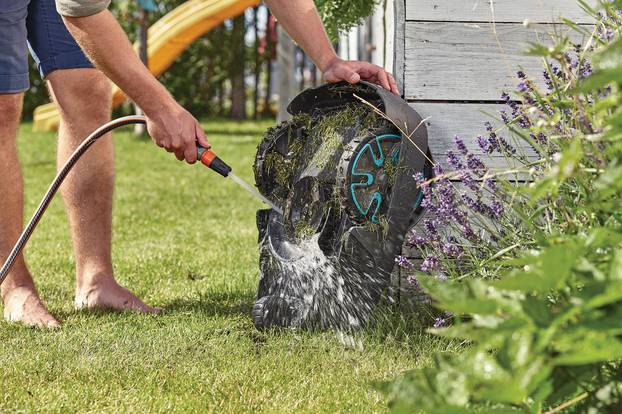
{"x":237,"y":68}
{"x":257,"y":68}
{"x":268,"y":51}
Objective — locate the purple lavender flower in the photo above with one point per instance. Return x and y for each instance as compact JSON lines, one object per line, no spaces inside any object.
{"x":528,"y":99}
{"x":460,"y":145}
{"x":439,"y":322}
{"x":505,"y":117}
{"x":412,"y":279}
{"x":453,"y":160}
{"x":491,"y":184}
{"x":585,"y":70}
{"x":485,"y":144}
{"x":430,"y":263}
{"x":442,"y":320}
{"x":403,"y":262}
{"x":558,"y":73}
{"x":573,"y":63}
{"x":517,"y":113}
{"x":474,"y":205}
{"x":416,"y":240}
{"x":438,"y":170}
{"x":505,"y":97}
{"x":523,"y":122}
{"x":428,"y":204}
{"x":446,"y":203}
{"x":475,"y":164}
{"x":496,"y":209}
{"x":468,"y":180}
{"x":451,"y":248}
{"x":430,"y":225}
{"x":540,"y":138}
{"x":467,"y":231}
{"x":419,"y":178}
{"x":507,"y":147}
{"x":497,"y":142}
{"x":587,"y":125}
{"x":547,"y":80}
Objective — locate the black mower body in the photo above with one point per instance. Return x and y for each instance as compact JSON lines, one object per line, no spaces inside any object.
{"x":342,"y":170}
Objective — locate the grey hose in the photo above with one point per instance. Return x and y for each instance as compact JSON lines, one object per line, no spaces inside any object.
{"x":58,"y":180}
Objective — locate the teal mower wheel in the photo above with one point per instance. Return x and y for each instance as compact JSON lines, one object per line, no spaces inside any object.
{"x":372,"y":170}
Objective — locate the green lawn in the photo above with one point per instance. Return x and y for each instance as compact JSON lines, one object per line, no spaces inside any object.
{"x":184,"y":239}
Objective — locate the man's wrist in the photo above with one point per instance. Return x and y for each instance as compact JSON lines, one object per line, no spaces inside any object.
{"x":326,"y":62}
{"x":153,"y":100}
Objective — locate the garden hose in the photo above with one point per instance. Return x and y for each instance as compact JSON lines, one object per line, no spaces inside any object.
{"x":206,"y":156}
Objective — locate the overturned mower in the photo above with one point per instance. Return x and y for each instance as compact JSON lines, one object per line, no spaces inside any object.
{"x":343,"y":174}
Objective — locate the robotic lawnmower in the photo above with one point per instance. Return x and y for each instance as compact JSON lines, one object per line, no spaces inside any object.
{"x":342,"y":169}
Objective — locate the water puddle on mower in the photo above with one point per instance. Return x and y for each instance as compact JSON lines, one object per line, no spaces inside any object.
{"x":254,"y":192}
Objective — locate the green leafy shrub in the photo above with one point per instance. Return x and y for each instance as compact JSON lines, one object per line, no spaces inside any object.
{"x":535,"y":284}
{"x":341,"y":15}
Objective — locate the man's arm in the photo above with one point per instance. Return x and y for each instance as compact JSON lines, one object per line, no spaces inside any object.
{"x":302,"y":21}
{"x":169,"y":125}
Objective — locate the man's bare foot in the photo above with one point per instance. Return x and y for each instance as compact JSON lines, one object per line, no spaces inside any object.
{"x":106,"y":293}
{"x":22,"y":304}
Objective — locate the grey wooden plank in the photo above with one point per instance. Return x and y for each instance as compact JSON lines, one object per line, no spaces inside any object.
{"x":512,"y":11}
{"x":399,"y":43}
{"x":446,"y":120}
{"x":464,"y":62}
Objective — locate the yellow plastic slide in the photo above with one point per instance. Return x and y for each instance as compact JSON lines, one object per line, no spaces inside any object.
{"x":168,"y":38}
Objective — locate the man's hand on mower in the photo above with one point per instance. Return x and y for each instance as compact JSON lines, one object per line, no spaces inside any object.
{"x":177,"y":131}
{"x":353,"y":71}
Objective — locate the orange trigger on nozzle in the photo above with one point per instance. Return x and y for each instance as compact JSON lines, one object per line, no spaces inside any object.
{"x":207,"y":158}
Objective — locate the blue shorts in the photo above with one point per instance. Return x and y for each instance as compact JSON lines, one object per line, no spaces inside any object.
{"x":34,"y":25}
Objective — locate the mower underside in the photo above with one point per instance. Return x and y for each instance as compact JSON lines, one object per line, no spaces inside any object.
{"x":343,"y":174}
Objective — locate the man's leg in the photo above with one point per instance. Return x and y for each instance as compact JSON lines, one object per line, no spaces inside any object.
{"x":83,"y":98}
{"x":21,"y":301}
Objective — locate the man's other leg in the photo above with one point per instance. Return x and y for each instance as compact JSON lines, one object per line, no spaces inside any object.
{"x":21,"y":301}
{"x":83,"y":97}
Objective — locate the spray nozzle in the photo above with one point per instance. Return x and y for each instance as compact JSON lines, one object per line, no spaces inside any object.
{"x":211,"y":160}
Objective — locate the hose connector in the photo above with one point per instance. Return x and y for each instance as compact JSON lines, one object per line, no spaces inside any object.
{"x":211,"y":160}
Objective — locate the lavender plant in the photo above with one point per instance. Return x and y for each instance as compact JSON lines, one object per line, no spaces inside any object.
{"x":540,"y":316}
{"x":476,"y":215}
